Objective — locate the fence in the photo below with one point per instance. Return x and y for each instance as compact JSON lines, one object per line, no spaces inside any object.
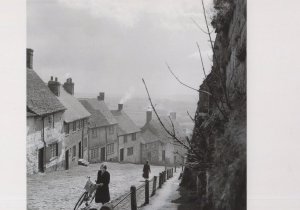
{"x":138,"y":197}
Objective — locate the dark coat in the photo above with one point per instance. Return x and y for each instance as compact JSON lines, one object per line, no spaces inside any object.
{"x":146,"y":171}
{"x":102,"y":193}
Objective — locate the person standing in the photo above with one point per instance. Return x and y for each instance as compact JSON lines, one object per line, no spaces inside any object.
{"x":146,"y":170}
{"x":103,"y":179}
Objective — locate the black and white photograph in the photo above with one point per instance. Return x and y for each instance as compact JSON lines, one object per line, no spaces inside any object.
{"x":136,"y":104}
{"x":149,"y":105}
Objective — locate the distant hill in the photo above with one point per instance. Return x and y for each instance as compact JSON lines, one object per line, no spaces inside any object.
{"x":136,"y":107}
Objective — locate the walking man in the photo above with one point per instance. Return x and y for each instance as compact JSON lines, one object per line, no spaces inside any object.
{"x":146,"y":170}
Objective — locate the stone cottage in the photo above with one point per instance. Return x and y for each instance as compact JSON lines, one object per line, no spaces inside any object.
{"x":75,"y":120}
{"x":45,"y":135}
{"x":129,"y":137}
{"x":102,"y":131}
{"x":159,"y":148}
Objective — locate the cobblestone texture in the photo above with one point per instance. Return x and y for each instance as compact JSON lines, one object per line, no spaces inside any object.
{"x":61,"y":189}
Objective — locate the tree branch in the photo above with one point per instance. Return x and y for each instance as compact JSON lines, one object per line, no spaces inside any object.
{"x":184,"y":83}
{"x":190,"y":116}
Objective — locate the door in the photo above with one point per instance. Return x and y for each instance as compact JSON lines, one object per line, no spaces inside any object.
{"x":103,"y":154}
{"x":41,"y":160}
{"x":122,"y":154}
{"x":67,"y":160}
{"x":80,"y":150}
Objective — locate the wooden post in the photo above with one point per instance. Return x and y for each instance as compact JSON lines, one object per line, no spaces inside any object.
{"x":133,"y":197}
{"x":159,"y":180}
{"x":147,"y":192}
{"x":154,"y":185}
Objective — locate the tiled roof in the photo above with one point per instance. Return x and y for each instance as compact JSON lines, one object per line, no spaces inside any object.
{"x":125,"y":124}
{"x":75,"y":110}
{"x":100,"y":114}
{"x":40,"y":99}
{"x":153,"y":130}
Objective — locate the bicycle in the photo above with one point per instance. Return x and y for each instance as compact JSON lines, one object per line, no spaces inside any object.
{"x":88,"y":196}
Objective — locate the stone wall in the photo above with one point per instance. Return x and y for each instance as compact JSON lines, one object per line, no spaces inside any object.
{"x":34,"y":142}
{"x":220,"y":135}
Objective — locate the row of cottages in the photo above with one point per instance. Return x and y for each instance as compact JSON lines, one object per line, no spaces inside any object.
{"x":75,"y":120}
{"x":159,"y":148}
{"x":102,"y":132}
{"x":56,"y":124}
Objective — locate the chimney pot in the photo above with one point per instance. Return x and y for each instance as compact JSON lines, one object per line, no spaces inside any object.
{"x":29,"y":58}
{"x":120,"y":107}
{"x":69,"y":86}
{"x":51,"y":78}
{"x":55,"y":79}
{"x":148,"y":116}
{"x":101,"y":96}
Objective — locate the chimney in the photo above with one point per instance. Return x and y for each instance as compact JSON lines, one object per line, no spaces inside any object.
{"x":29,"y":58}
{"x":148,"y":116}
{"x":101,"y":96}
{"x":69,"y":86}
{"x":54,"y":86}
{"x":120,"y":107}
{"x":173,"y":115}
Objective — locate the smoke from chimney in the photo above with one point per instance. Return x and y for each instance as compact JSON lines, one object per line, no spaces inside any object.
{"x":129,"y":93}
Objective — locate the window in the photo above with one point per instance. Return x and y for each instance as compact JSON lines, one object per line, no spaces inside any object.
{"x":125,"y":138}
{"x":53,"y":150}
{"x":94,"y":132}
{"x":129,"y":151}
{"x":163,"y":155}
{"x":111,"y":129}
{"x":149,"y":156}
{"x":110,"y":149}
{"x":94,"y":153}
{"x":133,"y":136}
{"x":74,"y":126}
{"x":67,"y":129}
{"x":51,"y":121}
{"x":74,"y":151}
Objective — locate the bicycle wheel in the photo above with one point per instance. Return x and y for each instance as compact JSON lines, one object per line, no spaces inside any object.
{"x":80,"y":200}
{"x":92,"y":197}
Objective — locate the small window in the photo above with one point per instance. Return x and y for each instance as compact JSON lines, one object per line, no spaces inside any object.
{"x":66,"y":126}
{"x":74,"y":151}
{"x":51,"y":121}
{"x":94,"y":153}
{"x":133,"y":136}
{"x":53,"y":150}
{"x":129,"y":151}
{"x":74,"y":126}
{"x":125,"y":138}
{"x":94,"y":132}
{"x":111,"y":129}
{"x":110,"y":149}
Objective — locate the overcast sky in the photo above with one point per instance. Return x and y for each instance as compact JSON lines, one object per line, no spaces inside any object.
{"x":109,"y":45}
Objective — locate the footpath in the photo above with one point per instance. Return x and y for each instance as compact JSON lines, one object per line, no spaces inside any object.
{"x":164,"y":196}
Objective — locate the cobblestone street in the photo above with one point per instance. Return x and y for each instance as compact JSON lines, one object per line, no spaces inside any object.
{"x":61,"y":189}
